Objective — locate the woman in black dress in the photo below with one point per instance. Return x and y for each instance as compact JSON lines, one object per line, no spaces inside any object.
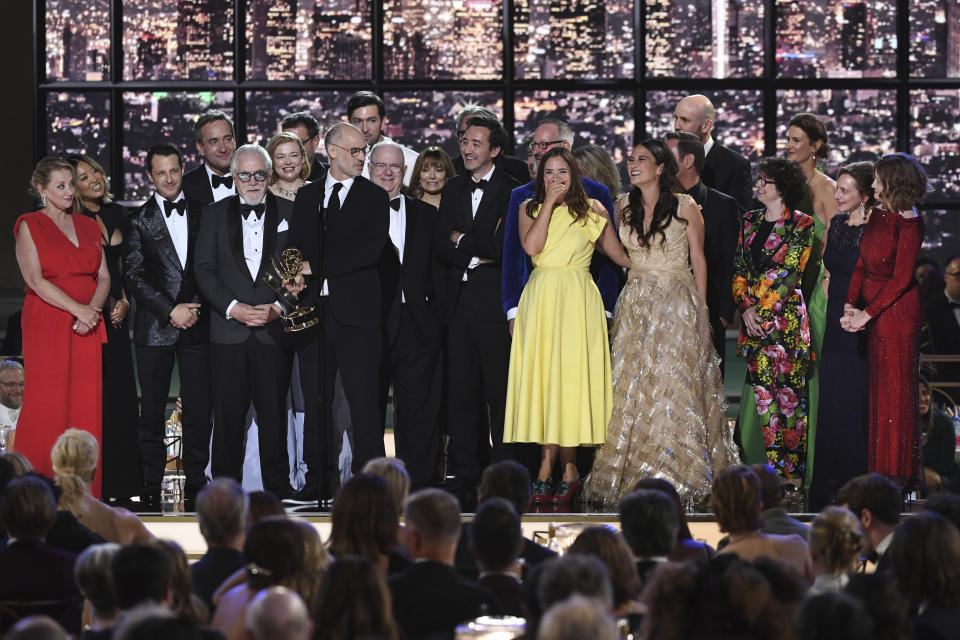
{"x":841,"y":445}
{"x":120,"y":458}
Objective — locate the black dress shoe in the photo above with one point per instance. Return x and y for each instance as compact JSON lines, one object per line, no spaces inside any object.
{"x":307,"y":495}
{"x":151,"y":503}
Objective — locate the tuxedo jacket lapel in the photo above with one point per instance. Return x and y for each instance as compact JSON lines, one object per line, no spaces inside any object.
{"x":158,"y":229}
{"x":235,"y":235}
{"x":411,"y":232}
{"x":271,"y":218}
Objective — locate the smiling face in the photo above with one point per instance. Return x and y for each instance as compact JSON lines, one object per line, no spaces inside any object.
{"x":368,"y":120}
{"x":925,"y":397}
{"x":217,"y":145}
{"x":166,"y":173}
{"x":11,"y":387}
{"x":432,"y":178}
{"x":254,"y":191}
{"x":288,"y":162}
{"x":476,"y":151}
{"x":767,"y":191}
{"x":59,"y":190}
{"x":386,"y":169}
{"x":848,"y":198}
{"x":91,"y":183}
{"x":799,"y":148}
{"x":642,"y":167}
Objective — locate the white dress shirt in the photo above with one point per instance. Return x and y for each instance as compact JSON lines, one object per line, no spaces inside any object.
{"x":398,"y":232}
{"x":177,"y":227}
{"x":8,"y":416}
{"x":475,"y":199}
{"x":327,"y":190}
{"x":220,"y":192}
{"x":252,"y":230}
{"x":707,"y":146}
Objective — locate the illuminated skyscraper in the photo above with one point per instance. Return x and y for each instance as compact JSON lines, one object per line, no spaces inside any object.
{"x":151,"y":51}
{"x":205,"y":38}
{"x":853,"y":35}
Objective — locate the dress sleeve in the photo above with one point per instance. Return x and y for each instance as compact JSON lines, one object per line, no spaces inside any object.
{"x":909,"y":240}
{"x":594,"y":223}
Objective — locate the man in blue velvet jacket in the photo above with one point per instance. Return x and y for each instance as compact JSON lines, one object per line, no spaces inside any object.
{"x":516,"y":264}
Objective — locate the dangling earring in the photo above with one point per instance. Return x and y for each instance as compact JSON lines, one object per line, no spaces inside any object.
{"x":43,"y":201}
{"x":863,"y":212}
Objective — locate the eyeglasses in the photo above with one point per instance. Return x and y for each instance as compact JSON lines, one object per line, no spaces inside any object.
{"x":761,"y":181}
{"x":259,"y":176}
{"x":355,"y":152}
{"x":12,"y":385}
{"x":543,"y":146}
{"x":380,"y":167}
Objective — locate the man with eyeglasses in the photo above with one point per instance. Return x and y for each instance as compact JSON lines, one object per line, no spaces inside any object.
{"x":942,"y":313}
{"x":513,"y":166}
{"x":368,"y":113}
{"x":211,"y":181}
{"x":305,"y":127}
{"x":11,"y":396}
{"x":412,"y":350}
{"x":249,"y":355}
{"x":340,"y":226}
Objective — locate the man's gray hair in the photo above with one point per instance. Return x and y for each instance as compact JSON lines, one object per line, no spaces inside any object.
{"x":383,"y":144}
{"x":564,"y":132}
{"x":253,"y":149}
{"x":472,"y":110}
{"x":278,"y":613}
{"x":577,"y":617}
{"x":222,"y":511}
{"x":10,"y":365}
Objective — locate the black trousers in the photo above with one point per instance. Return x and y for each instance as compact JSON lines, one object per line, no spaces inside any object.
{"x":719,"y":339}
{"x":259,"y":372}
{"x":479,"y":360}
{"x":154,"y":366}
{"x":414,"y":370}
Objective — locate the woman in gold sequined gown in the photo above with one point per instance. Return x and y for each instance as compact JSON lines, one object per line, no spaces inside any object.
{"x":668,"y":416}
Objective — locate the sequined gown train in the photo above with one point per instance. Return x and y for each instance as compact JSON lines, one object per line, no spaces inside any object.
{"x":669,"y":403}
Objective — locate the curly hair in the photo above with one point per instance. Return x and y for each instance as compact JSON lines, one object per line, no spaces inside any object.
{"x":862,"y":174}
{"x":576,"y":199}
{"x":787,"y":176}
{"x":835,"y":539}
{"x":610,"y":547}
{"x":665,"y":211}
{"x":815,"y":130}
{"x":736,"y":499}
{"x":903,"y":179}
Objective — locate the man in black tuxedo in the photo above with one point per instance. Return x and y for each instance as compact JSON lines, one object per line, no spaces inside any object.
{"x":238,"y":236}
{"x":941,"y":312}
{"x":517,"y":168}
{"x":169,"y":323}
{"x":413,"y":338}
{"x":725,"y":170}
{"x":878,"y":502}
{"x":470,"y":245}
{"x":305,"y":126}
{"x":721,"y":223}
{"x":211,"y":181}
{"x":340,"y":225}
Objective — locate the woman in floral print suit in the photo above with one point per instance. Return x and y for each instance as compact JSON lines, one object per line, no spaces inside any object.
{"x":774,"y":331}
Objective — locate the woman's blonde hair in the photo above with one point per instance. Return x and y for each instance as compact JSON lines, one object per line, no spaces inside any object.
{"x":394,"y":473}
{"x":835,"y":539}
{"x":74,"y":456}
{"x":280,"y":139}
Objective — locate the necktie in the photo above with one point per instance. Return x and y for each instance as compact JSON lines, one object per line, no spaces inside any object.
{"x":225,"y":181}
{"x":333,"y":204}
{"x":395,"y":204}
{"x":245,"y":209}
{"x":179,"y":206}
{"x":478,"y":184}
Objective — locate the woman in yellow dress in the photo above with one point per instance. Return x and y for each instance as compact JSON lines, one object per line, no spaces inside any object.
{"x":559,"y":391}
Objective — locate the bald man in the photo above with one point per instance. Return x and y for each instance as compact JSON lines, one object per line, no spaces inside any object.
{"x":725,"y":170}
{"x":278,"y":613}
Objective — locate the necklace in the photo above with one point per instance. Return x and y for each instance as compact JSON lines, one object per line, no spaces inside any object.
{"x":287,"y":193}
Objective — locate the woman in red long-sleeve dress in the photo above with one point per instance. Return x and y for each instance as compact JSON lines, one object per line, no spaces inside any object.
{"x":884,"y":298}
{"x":61,"y":259}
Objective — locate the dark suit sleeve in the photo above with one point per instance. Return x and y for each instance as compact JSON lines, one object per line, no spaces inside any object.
{"x":728,"y":234}
{"x":211,"y":285}
{"x":741,"y":183}
{"x":137,"y":280}
{"x":304,"y":235}
{"x":363,"y":251}
{"x":447,"y":253}
{"x":609,"y":274}
{"x":511,"y":273}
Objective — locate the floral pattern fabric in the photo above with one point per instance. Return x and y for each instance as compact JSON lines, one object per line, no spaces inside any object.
{"x":777,"y":362}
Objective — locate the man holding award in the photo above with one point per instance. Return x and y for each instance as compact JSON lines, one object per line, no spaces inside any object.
{"x":340,"y":225}
{"x":250,"y":358}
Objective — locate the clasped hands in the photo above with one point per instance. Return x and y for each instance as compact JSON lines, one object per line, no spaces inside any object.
{"x":751,"y":322}
{"x":854,"y":319}
{"x":86,"y":318}
{"x":256,"y":315}
{"x":185,"y":315}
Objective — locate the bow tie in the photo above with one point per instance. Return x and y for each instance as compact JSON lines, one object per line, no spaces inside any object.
{"x":180,"y":206}
{"x":245,"y":209}
{"x":395,"y":204}
{"x":873,"y":557}
{"x":479,"y":184}
{"x":221,"y":181}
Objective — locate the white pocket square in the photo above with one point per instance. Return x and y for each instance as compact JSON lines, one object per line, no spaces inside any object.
{"x":283,"y":226}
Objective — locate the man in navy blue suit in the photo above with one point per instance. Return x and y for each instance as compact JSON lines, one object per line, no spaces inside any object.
{"x":516,"y":266}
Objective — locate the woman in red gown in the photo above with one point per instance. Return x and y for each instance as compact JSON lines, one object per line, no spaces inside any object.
{"x":884,"y":298}
{"x":61,"y":259}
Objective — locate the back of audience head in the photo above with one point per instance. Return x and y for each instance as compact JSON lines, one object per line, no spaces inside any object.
{"x":835,"y":540}
{"x":273,"y":553}
{"x":364,"y":519}
{"x":278,"y":613}
{"x":771,"y":487}
{"x":152,"y":622}
{"x":7,"y":472}
{"x":925,"y":560}
{"x":21,"y":465}
{"x":876,"y":501}
{"x":37,"y":628}
{"x":495,"y":535}
{"x":666,"y":488}
{"x":183,"y":601}
{"x":573,"y":574}
{"x":28,"y":508}
{"x":736,"y":499}
{"x":222,"y":509}
{"x":577,"y":618}
{"x":263,"y":504}
{"x":432,"y":519}
{"x":833,"y":615}
{"x":316,"y":559}
{"x":141,"y":575}
{"x":75,"y":455}
{"x":94,"y":577}
{"x":880,"y":598}
{"x":394,"y":473}
{"x":610,"y":547}
{"x":650,"y":522}
{"x":595,"y":163}
{"x":946,"y":504}
{"x":506,"y":479}
{"x":354,"y":601}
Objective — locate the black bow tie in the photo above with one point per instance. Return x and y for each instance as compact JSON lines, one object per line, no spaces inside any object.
{"x":180,"y":206}
{"x":224,"y":181}
{"x":873,"y":557}
{"x":479,"y":184}
{"x":395,"y":204}
{"x":245,"y":209}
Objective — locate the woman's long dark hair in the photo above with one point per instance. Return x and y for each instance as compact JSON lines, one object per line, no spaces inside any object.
{"x":665,"y":210}
{"x":576,"y":199}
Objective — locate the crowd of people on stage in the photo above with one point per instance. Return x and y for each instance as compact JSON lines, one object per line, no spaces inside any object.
{"x":518,"y":310}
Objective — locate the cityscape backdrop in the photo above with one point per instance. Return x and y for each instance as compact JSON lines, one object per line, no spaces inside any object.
{"x":435,"y":53}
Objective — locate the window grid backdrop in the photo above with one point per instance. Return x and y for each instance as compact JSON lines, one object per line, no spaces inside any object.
{"x":888,"y":82}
